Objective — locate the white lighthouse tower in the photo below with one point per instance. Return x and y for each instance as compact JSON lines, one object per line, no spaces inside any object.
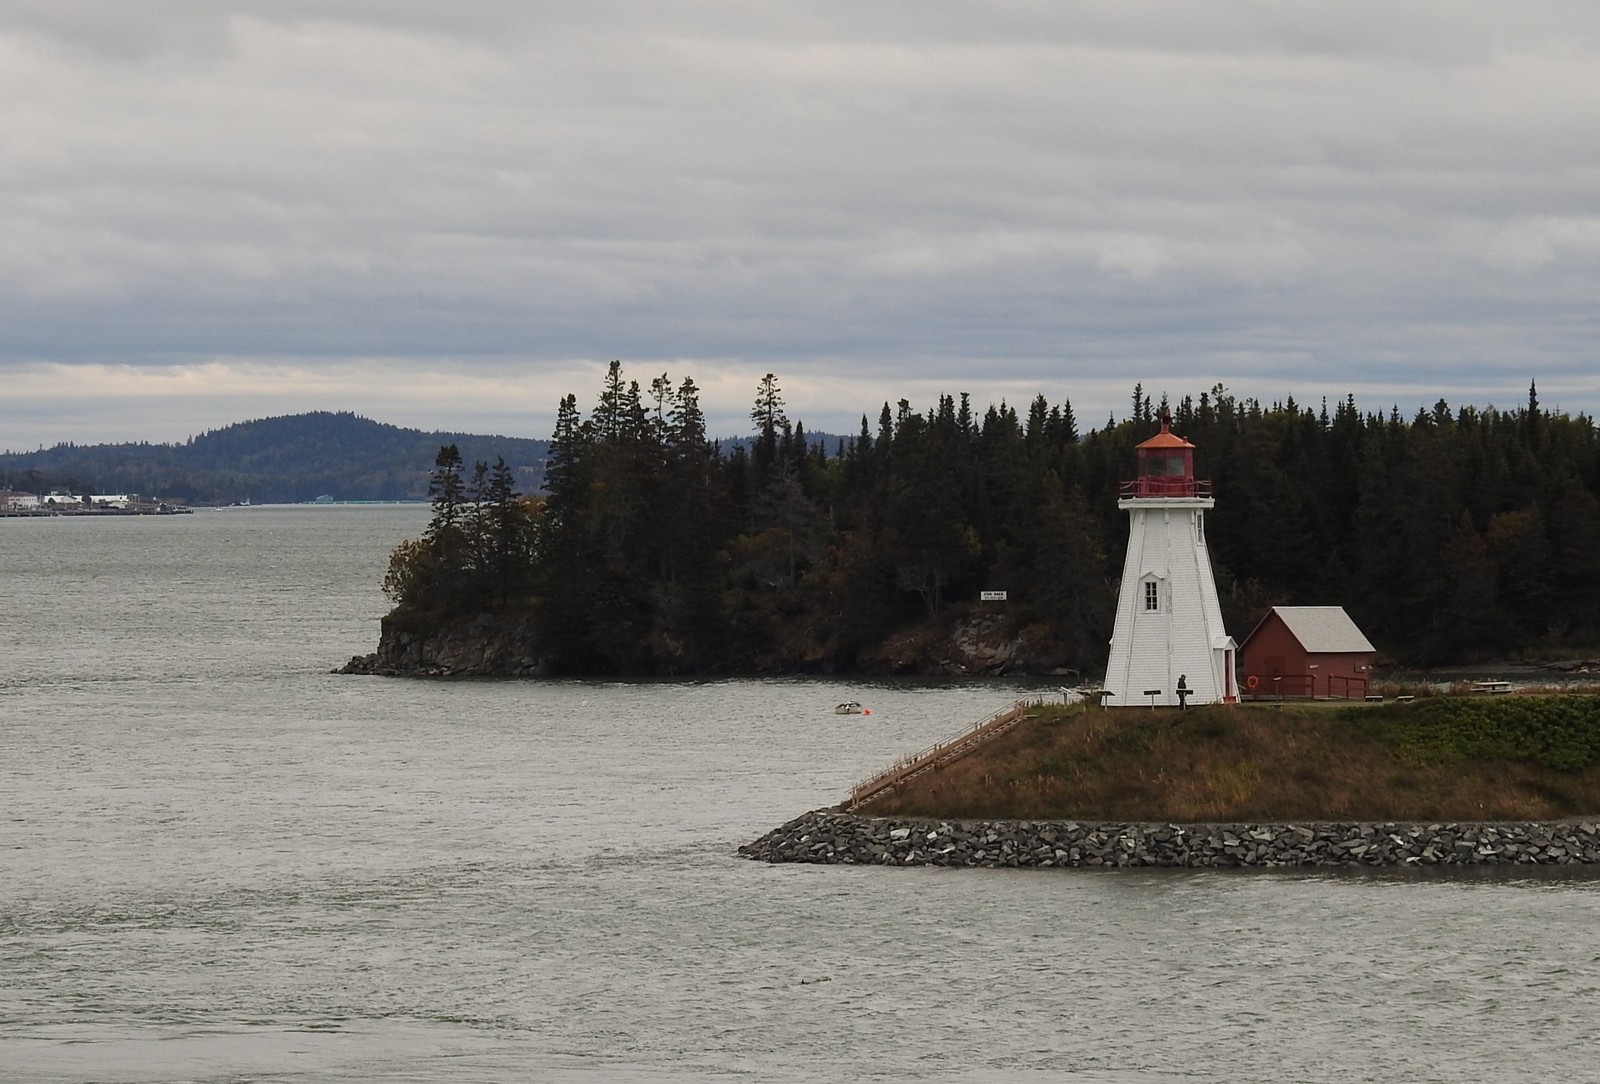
{"x":1169,"y":624}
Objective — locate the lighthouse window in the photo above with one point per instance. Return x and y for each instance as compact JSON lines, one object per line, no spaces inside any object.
{"x":1152,"y":595}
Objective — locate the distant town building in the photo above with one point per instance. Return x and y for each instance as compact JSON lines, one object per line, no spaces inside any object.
{"x":12,"y":500}
{"x":1169,"y":622}
{"x":1307,"y":651}
{"x":60,"y":502}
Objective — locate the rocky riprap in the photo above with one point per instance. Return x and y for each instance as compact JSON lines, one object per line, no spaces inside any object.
{"x":843,"y":838}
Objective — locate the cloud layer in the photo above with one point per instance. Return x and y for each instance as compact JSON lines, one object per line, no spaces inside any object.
{"x":451,"y":215}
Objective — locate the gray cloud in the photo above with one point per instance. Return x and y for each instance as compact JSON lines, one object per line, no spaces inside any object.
{"x":872,"y":201}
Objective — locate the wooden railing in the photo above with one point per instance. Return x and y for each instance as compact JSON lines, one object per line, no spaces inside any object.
{"x":1278,"y":686}
{"x":1346,"y":688}
{"x":941,"y":753}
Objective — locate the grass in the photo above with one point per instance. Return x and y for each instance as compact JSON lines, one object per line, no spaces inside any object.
{"x":1491,"y":759}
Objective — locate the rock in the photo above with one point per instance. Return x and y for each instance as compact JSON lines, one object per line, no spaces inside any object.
{"x":479,"y":646}
{"x":844,"y":838}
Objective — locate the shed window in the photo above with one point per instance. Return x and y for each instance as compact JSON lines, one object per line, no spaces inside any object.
{"x":1152,"y":595}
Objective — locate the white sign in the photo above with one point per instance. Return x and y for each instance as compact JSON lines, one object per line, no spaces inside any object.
{"x":991,"y":596}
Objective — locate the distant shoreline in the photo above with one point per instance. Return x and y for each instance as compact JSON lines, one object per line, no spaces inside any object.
{"x":73,"y":513}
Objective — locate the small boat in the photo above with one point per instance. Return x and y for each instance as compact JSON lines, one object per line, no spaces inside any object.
{"x":851,"y":707}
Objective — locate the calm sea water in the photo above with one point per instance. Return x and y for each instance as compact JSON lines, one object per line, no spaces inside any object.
{"x":220,"y":862}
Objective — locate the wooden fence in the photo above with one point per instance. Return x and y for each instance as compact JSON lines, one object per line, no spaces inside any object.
{"x":941,"y":753}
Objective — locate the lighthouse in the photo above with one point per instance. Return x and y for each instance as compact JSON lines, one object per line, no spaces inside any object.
{"x":1169,"y":623}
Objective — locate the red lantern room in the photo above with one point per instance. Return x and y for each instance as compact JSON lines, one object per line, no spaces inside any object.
{"x":1166,"y":467}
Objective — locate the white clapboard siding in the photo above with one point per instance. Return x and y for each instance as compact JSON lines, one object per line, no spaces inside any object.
{"x":1150,"y":649}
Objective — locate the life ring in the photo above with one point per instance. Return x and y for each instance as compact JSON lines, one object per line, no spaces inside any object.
{"x":1251,"y":682}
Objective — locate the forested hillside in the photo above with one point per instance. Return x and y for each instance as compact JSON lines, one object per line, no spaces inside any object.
{"x":293,"y":458}
{"x":1452,"y":535}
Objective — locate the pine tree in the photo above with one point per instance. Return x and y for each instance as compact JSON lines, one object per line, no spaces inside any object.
{"x":446,"y":491}
{"x":508,"y":531}
{"x":563,"y":477}
{"x":770,"y":422}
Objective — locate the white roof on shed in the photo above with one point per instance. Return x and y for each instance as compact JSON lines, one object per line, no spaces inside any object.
{"x":1323,"y":628}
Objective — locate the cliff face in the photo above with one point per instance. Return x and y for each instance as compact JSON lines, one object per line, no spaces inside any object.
{"x":506,"y":645}
{"x":982,"y":643}
{"x":485,"y":645}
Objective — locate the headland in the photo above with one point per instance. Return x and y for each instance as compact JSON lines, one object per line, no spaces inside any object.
{"x":1443,"y":780}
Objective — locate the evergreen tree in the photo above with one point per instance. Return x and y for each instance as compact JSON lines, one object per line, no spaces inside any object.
{"x":509,"y":543}
{"x":447,"y":492}
{"x":770,"y":422}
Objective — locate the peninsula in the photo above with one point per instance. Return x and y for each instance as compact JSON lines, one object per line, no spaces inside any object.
{"x":968,"y":542}
{"x":1443,"y":780}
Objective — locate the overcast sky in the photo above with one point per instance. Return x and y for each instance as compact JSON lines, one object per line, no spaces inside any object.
{"x":450,"y":215}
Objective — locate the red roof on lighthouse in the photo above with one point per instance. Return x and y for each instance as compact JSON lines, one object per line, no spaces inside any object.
{"x":1166,"y":467}
{"x":1166,"y":438}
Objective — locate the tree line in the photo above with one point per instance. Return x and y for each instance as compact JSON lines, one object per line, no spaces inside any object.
{"x":1449,"y":536}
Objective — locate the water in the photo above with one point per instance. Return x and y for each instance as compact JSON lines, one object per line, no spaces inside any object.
{"x":219,"y":862}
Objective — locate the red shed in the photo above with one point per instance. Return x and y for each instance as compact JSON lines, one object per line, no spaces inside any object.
{"x":1306,"y":651}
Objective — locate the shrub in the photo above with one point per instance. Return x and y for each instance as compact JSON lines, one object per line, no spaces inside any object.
{"x":1561,"y":732}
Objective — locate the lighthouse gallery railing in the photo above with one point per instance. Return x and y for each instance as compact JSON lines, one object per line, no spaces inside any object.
{"x":1166,"y":487}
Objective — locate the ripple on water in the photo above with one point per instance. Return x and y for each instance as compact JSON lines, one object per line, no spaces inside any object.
{"x":219,"y":862}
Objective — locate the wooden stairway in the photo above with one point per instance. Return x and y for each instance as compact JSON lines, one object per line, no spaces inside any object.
{"x":940,"y":753}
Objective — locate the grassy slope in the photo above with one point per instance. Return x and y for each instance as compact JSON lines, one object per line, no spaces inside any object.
{"x":1502,"y":758}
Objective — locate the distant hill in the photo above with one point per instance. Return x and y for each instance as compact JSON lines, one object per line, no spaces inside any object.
{"x":832,"y":443}
{"x":296,"y":457}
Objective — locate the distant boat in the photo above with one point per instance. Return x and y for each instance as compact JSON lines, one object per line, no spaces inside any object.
{"x":851,"y":707}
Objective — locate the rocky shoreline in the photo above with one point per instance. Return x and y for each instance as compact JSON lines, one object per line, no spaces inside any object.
{"x":482,"y":646}
{"x":508,"y":645}
{"x":828,"y":837}
{"x":983,"y":644}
